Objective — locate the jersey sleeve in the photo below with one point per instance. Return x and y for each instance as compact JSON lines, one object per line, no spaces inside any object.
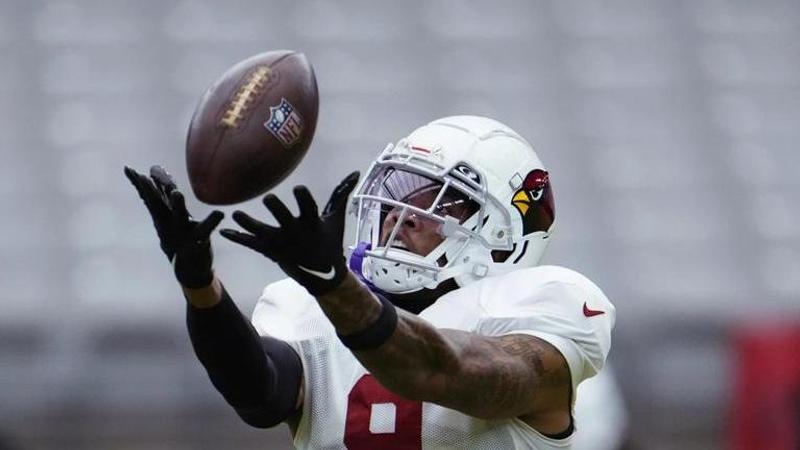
{"x":287,"y":311}
{"x":575,"y":320}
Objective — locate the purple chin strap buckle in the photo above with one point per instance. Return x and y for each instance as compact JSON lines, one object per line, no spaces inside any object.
{"x":357,"y":261}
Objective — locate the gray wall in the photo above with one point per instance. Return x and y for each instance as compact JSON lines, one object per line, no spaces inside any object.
{"x":670,"y":129}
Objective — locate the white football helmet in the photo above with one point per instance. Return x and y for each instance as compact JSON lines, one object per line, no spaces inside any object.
{"x":477,"y":181}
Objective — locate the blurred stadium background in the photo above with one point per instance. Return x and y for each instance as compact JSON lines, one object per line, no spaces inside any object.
{"x":670,"y":129}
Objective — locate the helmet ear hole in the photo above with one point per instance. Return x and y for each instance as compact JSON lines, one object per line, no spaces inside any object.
{"x":500,"y":256}
{"x":442,"y":261}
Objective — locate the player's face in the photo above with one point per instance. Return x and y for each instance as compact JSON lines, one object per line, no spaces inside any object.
{"x":416,"y":234}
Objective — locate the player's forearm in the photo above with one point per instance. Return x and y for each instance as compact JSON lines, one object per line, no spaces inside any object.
{"x":416,"y":361}
{"x":259,"y":376}
{"x":227,"y":346}
{"x":351,"y":307}
{"x":473,"y":374}
{"x":414,"y":354}
{"x":481,"y":376}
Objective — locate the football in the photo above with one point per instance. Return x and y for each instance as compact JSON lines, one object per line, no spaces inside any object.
{"x":252,"y":127}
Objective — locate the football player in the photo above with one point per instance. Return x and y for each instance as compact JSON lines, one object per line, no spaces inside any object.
{"x":439,"y":331}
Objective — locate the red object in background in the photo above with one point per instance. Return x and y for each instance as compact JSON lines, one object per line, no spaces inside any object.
{"x":766,"y":407}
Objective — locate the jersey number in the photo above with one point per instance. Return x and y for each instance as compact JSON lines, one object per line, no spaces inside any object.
{"x":379,"y":419}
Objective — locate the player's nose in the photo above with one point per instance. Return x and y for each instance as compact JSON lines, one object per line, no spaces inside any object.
{"x":410,"y":220}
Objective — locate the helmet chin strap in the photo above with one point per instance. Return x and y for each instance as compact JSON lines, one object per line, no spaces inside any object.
{"x":416,"y":302}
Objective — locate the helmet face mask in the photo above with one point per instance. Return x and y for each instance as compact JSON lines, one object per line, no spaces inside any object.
{"x":429,"y":210}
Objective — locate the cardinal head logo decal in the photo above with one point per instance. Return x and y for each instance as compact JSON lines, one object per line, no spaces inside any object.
{"x":534,"y":201}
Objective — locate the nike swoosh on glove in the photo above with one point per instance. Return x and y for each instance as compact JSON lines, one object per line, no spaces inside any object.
{"x":308,"y":247}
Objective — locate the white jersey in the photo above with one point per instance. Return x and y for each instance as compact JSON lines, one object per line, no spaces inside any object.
{"x":346,"y":408}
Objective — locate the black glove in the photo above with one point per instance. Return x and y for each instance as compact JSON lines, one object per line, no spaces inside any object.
{"x":184,"y":240}
{"x":309,"y":247}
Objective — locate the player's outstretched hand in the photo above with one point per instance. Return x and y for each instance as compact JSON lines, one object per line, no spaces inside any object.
{"x":308,"y":247}
{"x":184,"y":240}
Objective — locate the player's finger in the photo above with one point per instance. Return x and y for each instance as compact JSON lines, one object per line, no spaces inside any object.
{"x":148,"y":193}
{"x":252,"y":225}
{"x":136,"y":180}
{"x":306,"y":203}
{"x":278,"y":210}
{"x":204,"y":228}
{"x":131,"y":175}
{"x":341,"y":193}
{"x":349,"y":183}
{"x":177,"y":204}
{"x":163,"y":180}
{"x":248,"y":240}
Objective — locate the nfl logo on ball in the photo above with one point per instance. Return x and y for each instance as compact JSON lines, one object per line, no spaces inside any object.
{"x":284,"y":123}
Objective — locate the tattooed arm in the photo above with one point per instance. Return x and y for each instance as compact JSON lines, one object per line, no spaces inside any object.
{"x":486,"y":377}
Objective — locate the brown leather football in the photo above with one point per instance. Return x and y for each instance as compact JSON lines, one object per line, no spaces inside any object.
{"x":252,"y":127}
